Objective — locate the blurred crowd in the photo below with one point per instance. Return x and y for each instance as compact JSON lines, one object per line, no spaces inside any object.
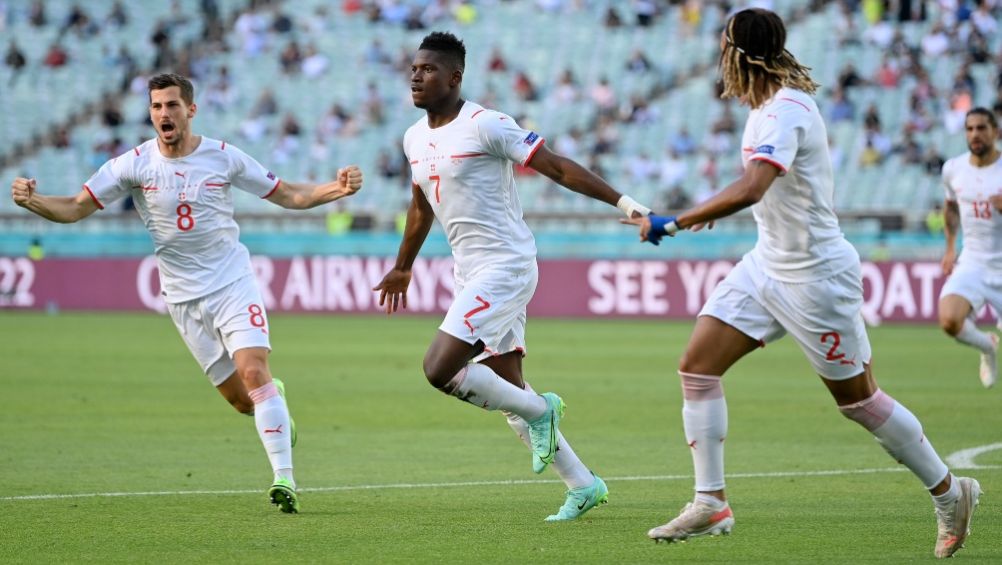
{"x":198,"y":43}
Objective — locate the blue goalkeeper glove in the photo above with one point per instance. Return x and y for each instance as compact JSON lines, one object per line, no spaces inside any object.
{"x":660,"y":227}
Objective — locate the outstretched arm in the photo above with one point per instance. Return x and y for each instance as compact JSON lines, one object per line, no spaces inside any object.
{"x":62,"y":209}
{"x":738,"y":195}
{"x":298,"y":196}
{"x":393,"y":288}
{"x":568,"y":173}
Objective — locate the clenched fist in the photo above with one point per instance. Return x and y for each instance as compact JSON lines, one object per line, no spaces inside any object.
{"x":22,"y":190}
{"x":350,"y":178}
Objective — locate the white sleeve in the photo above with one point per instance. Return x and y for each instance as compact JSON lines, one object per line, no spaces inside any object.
{"x":249,"y":175}
{"x":502,"y":137}
{"x":110,"y":182}
{"x":951,"y":195}
{"x":779,"y":136}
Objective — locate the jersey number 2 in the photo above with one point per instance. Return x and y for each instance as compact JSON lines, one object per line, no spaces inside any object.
{"x":185,"y":221}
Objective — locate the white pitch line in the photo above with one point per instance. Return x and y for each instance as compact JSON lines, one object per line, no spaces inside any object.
{"x":963,"y":459}
{"x":444,"y":485}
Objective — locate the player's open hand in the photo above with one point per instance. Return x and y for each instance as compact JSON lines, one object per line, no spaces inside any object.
{"x":22,"y":190}
{"x":644,"y":222}
{"x":697,"y":227}
{"x":350,"y":179}
{"x":393,"y":290}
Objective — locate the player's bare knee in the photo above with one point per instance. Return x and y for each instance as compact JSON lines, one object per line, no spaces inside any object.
{"x":870,"y":413}
{"x":243,"y":405}
{"x":951,"y":326}
{"x":252,"y":375}
{"x":438,"y":374}
{"x":692,"y":364}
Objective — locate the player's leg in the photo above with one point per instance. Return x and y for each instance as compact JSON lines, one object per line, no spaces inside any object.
{"x":900,"y":433}
{"x":585,"y":490}
{"x":732,"y":323}
{"x":824,"y":318}
{"x":962,"y":296}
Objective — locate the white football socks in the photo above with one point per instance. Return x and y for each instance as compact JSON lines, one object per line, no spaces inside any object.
{"x":271,"y":415}
{"x":479,"y":385}
{"x":971,"y":335}
{"x":704,"y":417}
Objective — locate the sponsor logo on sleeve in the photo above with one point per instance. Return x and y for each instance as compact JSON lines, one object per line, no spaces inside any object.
{"x":271,"y":175}
{"x":531,"y":138}
{"x":766,"y":149}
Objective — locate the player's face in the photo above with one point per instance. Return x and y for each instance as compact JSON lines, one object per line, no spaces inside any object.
{"x":980,"y":135}
{"x":432,"y":79}
{"x":170,"y":114}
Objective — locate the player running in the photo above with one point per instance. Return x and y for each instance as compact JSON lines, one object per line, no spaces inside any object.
{"x":461,"y":158}
{"x":803,"y":278}
{"x":182,"y":186}
{"x":973,"y":184}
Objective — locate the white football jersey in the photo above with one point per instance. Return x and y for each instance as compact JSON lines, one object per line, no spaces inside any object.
{"x":799,"y":239}
{"x":187,"y":206}
{"x":980,"y":222}
{"x":464,"y":169}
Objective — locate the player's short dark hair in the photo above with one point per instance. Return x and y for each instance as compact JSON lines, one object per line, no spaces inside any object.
{"x":982,"y":111}
{"x":167,"y":80}
{"x":450,"y":45}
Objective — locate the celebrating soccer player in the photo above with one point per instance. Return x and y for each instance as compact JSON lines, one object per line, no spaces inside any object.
{"x":181,"y":184}
{"x":803,"y":278}
{"x":461,"y":157}
{"x":974,"y":203}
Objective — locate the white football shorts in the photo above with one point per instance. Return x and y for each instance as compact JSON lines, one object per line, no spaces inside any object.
{"x":490,"y":307}
{"x":975,"y":284}
{"x":221,"y":323}
{"x":824,"y":317}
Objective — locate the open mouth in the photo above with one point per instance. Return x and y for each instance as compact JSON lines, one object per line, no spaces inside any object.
{"x":167,"y":128}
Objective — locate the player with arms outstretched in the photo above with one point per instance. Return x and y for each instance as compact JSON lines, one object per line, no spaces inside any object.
{"x":461,"y":157}
{"x":803,"y":278}
{"x":182,"y":186}
{"x":973,"y":184}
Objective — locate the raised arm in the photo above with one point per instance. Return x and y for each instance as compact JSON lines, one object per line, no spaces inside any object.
{"x":62,"y":209}
{"x":393,"y":288}
{"x":299,"y":196}
{"x":570,"y":174}
{"x":951,"y":227}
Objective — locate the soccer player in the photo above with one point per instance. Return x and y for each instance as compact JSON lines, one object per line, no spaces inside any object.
{"x":802,"y":278}
{"x":182,"y":184}
{"x":974,"y":203}
{"x":461,"y":157}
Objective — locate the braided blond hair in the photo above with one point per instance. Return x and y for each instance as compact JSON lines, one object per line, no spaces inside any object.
{"x":754,"y":52}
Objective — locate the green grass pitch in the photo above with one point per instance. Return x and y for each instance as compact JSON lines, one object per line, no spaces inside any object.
{"x":391,"y":471}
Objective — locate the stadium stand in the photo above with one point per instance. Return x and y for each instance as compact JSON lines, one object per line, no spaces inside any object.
{"x":336,"y":75}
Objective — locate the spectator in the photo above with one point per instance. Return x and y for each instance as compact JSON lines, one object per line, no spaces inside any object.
{"x":641,"y":168}
{"x":291,"y":58}
{"x":842,"y":109}
{"x":645,"y":11}
{"x":677,"y":199}
{"x":496,"y":62}
{"x":936,"y":42}
{"x":638,"y":62}
{"x":887,"y":74}
{"x":935,"y":219}
{"x":36,"y":14}
{"x":848,"y":77}
{"x":266,"y":104}
{"x":566,"y":90}
{"x":933,"y":161}
{"x":611,"y":19}
{"x":315,"y":63}
{"x":117,"y":16}
{"x":524,"y":88}
{"x":56,"y":56}
{"x":603,"y":96}
{"x":15,"y":60}
{"x":682,"y":143}
{"x":373,"y":104}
